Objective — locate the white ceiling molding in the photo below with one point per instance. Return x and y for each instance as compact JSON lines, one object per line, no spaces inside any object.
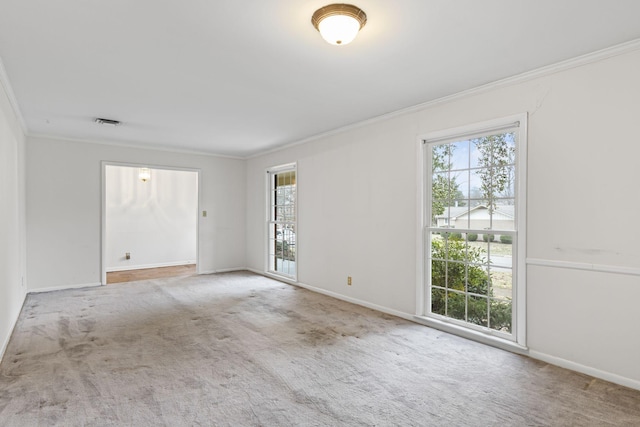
{"x":521,"y":78}
{"x":133,"y":145}
{"x":195,"y":79}
{"x":6,"y":85}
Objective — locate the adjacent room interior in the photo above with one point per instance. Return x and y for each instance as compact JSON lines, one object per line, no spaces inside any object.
{"x":420,"y":221}
{"x":150,"y":222}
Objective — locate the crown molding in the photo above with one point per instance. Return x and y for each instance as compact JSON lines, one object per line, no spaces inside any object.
{"x":568,"y":64}
{"x":132,"y":145}
{"x":6,"y":85}
{"x":588,"y":58}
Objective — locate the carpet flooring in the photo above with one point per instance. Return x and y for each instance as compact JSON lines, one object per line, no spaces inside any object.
{"x":238,"y":349}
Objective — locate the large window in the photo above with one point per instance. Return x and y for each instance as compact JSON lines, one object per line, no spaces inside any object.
{"x":473,"y":226}
{"x":282,"y":221}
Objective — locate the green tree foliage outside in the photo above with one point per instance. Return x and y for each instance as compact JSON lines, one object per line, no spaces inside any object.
{"x":451,"y":275}
{"x":461,"y":287}
{"x":285,"y":251}
{"x":506,"y":239}
{"x":496,"y":171}
{"x":444,"y":187}
{"x":488,"y":237}
{"x":497,"y":158}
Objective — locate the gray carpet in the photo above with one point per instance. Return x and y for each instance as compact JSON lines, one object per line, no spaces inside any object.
{"x":239,"y":349}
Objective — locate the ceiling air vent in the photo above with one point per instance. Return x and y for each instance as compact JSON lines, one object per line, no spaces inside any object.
{"x":107,"y":122}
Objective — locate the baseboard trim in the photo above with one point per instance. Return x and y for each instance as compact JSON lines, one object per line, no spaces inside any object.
{"x":275,"y":277}
{"x":336,"y":295}
{"x":508,"y":346}
{"x":597,"y":373}
{"x":65,"y":287}
{"x":222,"y":270}
{"x":5,"y":344}
{"x":357,"y":301}
{"x":145,"y":266}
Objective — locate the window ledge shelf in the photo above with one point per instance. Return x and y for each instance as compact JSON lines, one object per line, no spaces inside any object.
{"x":472,"y":335}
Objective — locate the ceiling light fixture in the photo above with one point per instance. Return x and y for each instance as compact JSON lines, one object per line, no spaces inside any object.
{"x":144,"y":174}
{"x":339,"y":24}
{"x":107,"y":122}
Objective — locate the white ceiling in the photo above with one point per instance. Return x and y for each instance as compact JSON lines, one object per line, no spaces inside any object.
{"x":238,"y":77}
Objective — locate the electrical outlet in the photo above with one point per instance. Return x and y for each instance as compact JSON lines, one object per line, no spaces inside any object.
{"x":204,"y":214}
{"x":127,"y":255}
{"x":349,"y":280}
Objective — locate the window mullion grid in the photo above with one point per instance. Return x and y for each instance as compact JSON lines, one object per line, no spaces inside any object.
{"x":514,"y":275}
{"x":466,"y":241}
{"x":446,"y":276}
{"x":273,"y":238}
{"x":489,"y":284}
{"x":427,"y":221}
{"x":472,"y":230}
{"x":489,"y":240}
{"x":466,"y":290}
{"x":492,"y":199}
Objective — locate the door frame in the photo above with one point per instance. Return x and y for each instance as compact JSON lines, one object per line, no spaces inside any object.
{"x":103,"y":214}
{"x":268,"y":171}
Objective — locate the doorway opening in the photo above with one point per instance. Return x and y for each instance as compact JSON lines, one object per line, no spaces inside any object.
{"x":149,"y":222}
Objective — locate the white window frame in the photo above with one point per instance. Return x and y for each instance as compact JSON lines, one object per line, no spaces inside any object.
{"x":270,"y":172}
{"x":517,"y":341}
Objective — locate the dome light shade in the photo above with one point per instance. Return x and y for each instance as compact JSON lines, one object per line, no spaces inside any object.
{"x":144,"y":174}
{"x":339,"y":24}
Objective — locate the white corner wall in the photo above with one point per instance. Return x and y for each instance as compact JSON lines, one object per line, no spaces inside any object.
{"x":358,"y":201}
{"x":63,"y":197}
{"x":154,"y":221}
{"x":12,"y":218}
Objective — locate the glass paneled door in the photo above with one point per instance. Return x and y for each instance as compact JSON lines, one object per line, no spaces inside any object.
{"x":282,"y":222}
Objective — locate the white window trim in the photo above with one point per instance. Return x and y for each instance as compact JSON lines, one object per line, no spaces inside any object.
{"x":275,"y":169}
{"x":520,"y":330}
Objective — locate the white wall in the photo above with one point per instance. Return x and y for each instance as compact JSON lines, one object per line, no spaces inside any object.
{"x":12,"y":223}
{"x":64,"y":208}
{"x":154,"y":221}
{"x":358,"y":201}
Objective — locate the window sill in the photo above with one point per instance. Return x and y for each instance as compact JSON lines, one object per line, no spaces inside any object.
{"x":472,"y":335}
